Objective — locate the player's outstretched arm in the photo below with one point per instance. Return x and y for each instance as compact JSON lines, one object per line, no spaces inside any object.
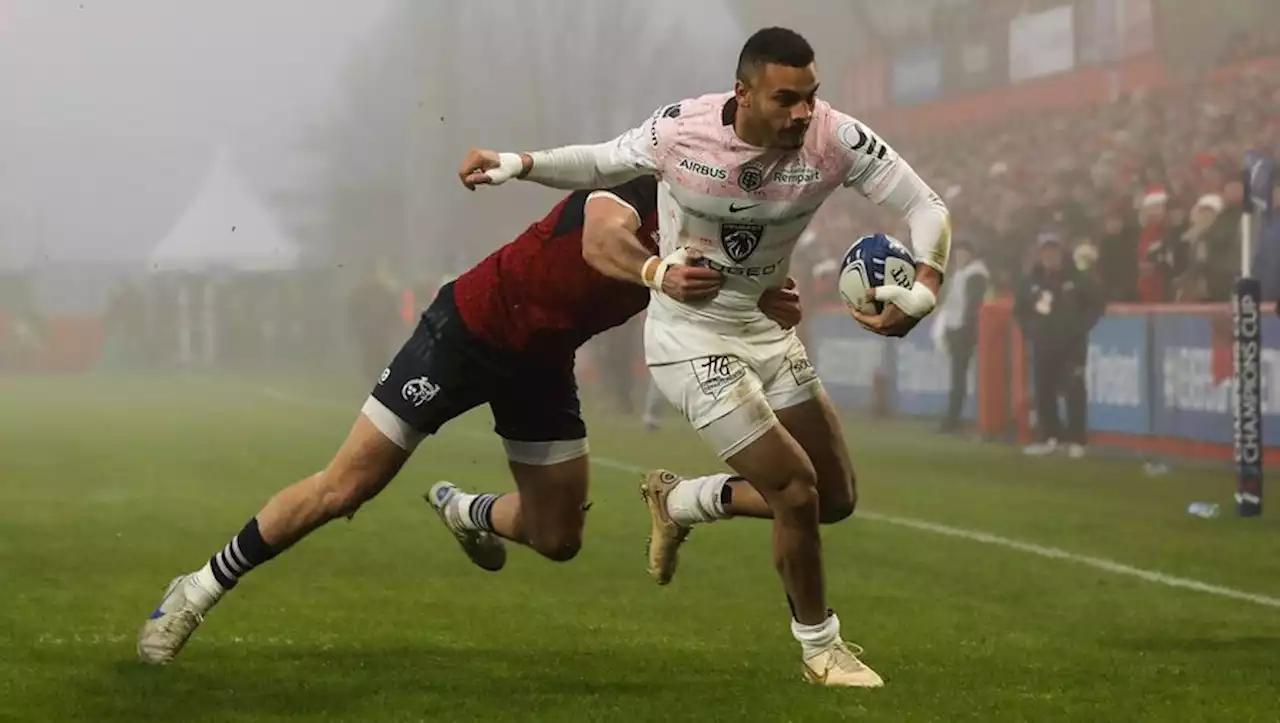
{"x":636,"y":153}
{"x":568,"y":167}
{"x":610,"y":246}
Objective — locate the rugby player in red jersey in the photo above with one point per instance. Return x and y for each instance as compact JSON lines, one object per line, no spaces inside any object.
{"x":502,"y":334}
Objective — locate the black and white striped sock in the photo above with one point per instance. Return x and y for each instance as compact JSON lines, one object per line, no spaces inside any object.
{"x":477,"y":512}
{"x":246,"y":551}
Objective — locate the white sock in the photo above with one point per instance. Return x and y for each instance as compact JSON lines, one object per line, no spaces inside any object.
{"x":475,"y":512}
{"x":203,"y":588}
{"x":815,"y":639}
{"x":697,"y":500}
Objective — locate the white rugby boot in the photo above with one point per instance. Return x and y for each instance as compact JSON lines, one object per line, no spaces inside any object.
{"x":665,"y":536}
{"x":839,"y":666}
{"x":486,"y":550}
{"x":179,"y":613}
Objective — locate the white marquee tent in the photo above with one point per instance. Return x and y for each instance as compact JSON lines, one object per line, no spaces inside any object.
{"x":226,"y":226}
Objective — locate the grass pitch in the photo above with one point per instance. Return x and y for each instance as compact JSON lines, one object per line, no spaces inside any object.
{"x":111,"y":486}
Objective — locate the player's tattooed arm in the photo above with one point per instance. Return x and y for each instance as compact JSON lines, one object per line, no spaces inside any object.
{"x":610,"y":246}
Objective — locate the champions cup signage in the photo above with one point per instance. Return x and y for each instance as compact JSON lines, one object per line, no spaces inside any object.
{"x":1258,"y":178}
{"x":1247,"y":428}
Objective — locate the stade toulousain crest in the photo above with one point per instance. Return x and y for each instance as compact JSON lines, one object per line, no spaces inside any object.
{"x":751,"y":177}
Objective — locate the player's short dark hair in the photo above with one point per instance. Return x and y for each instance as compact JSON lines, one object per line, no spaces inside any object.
{"x":779,"y":46}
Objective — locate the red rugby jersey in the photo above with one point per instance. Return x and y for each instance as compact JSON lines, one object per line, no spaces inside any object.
{"x":537,"y":295}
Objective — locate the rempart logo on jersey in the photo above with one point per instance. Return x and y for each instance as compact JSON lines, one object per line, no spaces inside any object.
{"x":419,"y":391}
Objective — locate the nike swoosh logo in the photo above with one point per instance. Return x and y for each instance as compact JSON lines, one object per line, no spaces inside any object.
{"x":735,"y":208}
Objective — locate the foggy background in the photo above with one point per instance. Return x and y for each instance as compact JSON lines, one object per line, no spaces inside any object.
{"x":269,"y":185}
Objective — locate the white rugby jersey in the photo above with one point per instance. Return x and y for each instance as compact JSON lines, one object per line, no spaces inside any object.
{"x":744,"y":207}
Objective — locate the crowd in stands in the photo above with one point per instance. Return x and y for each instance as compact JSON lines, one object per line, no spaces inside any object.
{"x":1147,"y":189}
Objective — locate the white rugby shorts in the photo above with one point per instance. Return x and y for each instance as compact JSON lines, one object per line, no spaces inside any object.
{"x":728,"y":387}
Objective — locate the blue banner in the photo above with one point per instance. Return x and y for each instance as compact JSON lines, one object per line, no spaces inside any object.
{"x":1162,"y":375}
{"x":1116,"y":376}
{"x":916,"y":76}
{"x":848,"y":359}
{"x":1193,"y":372}
{"x":916,"y":374}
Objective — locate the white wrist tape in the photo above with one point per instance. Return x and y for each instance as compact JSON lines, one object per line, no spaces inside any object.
{"x":653,"y":272}
{"x":509,"y":166}
{"x":915,"y":302}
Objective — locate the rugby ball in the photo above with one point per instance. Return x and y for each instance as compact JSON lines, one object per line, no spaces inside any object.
{"x":874,"y":261}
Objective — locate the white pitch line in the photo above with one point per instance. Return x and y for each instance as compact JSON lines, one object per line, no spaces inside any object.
{"x":1097,"y":563}
{"x":986,"y":538}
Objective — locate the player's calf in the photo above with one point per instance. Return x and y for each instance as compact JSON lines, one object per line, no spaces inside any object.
{"x":556,"y":544}
{"x":777,"y":467}
{"x":836,"y":503}
{"x":547,"y":514}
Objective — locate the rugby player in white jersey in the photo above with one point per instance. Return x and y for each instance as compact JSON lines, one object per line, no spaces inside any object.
{"x":741,"y":175}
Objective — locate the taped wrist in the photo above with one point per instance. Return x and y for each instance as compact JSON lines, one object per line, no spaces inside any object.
{"x":653,"y":272}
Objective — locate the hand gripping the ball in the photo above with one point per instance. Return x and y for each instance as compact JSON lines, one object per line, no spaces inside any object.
{"x":916,"y":301}
{"x":903,"y":307}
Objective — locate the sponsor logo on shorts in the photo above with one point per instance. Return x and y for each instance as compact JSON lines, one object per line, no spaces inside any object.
{"x":717,"y":373}
{"x":386,"y":374}
{"x":802,"y":369}
{"x":740,"y":240}
{"x":419,"y":391}
{"x":698,"y":168}
{"x":751,"y":176}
